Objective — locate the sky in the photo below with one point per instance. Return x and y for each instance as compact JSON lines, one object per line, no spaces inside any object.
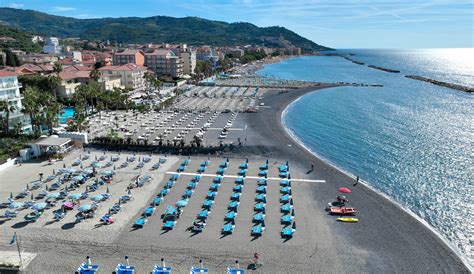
{"x":333,"y":23}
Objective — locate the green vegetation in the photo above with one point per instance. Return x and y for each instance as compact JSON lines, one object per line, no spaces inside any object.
{"x":250,"y":56}
{"x":22,"y":40}
{"x":9,"y":147}
{"x":157,"y":29}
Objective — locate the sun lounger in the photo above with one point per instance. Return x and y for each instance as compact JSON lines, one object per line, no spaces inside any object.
{"x":288,"y":232}
{"x":196,"y":178}
{"x":243,"y":166}
{"x":220,"y":171}
{"x":199,"y":269}
{"x":198,"y":226}
{"x":211,"y":195}
{"x":217,"y":180}
{"x":87,"y":269}
{"x":223,"y":164}
{"x":10,"y":214}
{"x":285,"y":190}
{"x":214,"y":187}
{"x":262,"y":173}
{"x":242,"y":172}
{"x":192,"y":185}
{"x":207,"y":204}
{"x":156,"y":166}
{"x":163,"y":192}
{"x":163,"y":269}
{"x":169,"y":184}
{"x":205,"y":163}
{"x":157,"y":201}
{"x":174,"y":177}
{"x":106,"y":219}
{"x":286,"y":219}
{"x":261,"y":197}
{"x":181,"y":168}
{"x":115,"y":209}
{"x":286,"y":208}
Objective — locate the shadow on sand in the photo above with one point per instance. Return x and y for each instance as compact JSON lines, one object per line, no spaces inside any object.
{"x":20,"y":224}
{"x":68,"y":226}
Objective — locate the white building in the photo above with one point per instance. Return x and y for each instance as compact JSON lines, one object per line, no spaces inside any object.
{"x":189,"y":61}
{"x":131,"y":75}
{"x":10,"y":91}
{"x":52,"y":46}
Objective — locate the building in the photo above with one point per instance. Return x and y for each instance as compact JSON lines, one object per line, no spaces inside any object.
{"x":164,"y":62}
{"x":37,"y":58}
{"x":131,"y":75}
{"x":10,"y":92}
{"x":189,"y":61}
{"x":74,"y":76}
{"x":37,"y":39}
{"x":52,"y":46}
{"x":235,"y":53}
{"x":129,"y":56}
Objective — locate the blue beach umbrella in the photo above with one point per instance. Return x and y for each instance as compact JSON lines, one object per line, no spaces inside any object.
{"x":84,"y":208}
{"x":52,"y":196}
{"x":39,"y":206}
{"x":97,"y":198}
{"x":181,"y":203}
{"x":74,"y":196}
{"x":16,"y":205}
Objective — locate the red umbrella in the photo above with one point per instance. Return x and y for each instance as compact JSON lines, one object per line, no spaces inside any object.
{"x":345,"y":190}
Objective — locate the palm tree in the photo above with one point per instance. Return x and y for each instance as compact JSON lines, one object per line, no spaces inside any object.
{"x":6,"y":108}
{"x":18,"y":128}
{"x":57,"y":68}
{"x":95,"y":74}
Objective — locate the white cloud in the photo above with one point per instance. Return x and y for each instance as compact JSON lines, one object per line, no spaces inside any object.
{"x":61,"y":9}
{"x":16,"y":5}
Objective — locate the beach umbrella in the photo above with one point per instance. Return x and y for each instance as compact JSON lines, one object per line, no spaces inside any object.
{"x":289,"y":176}
{"x":266,"y":162}
{"x":88,"y":171}
{"x":129,"y":192}
{"x":84,"y":208}
{"x":11,"y":195}
{"x":292,"y":212}
{"x":107,"y":190}
{"x":74,"y":196}
{"x":52,"y":196}
{"x":294,"y":225}
{"x":290,"y":192}
{"x":345,"y":190}
{"x":16,"y":205}
{"x":39,"y":206}
{"x":181,"y":203}
{"x":97,"y":198}
{"x":31,"y":197}
{"x":291,"y":201}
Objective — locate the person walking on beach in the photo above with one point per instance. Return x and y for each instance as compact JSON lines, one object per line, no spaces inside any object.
{"x":255,"y":259}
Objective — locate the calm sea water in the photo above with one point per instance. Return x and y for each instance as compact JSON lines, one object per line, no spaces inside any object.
{"x":411,"y":140}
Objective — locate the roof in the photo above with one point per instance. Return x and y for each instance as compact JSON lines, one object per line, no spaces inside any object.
{"x":127,"y":67}
{"x":160,"y":52}
{"x":5,"y":73}
{"x":76,"y":68}
{"x":68,"y":75}
{"x":129,"y":52}
{"x":51,"y":141}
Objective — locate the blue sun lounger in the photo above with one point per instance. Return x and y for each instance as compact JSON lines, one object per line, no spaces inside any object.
{"x":149,"y":211}
{"x":223,"y":164}
{"x":257,"y":230}
{"x":186,"y":162}
{"x":162,"y":160}
{"x":261,"y":189}
{"x":243,"y":166}
{"x":283,"y":174}
{"x":285,"y":190}
{"x":286,"y":208}
{"x":163,"y":192}
{"x":263,"y":167}
{"x":230,"y":216}
{"x":140,"y":222}
{"x":214,"y":187}
{"x":260,"y":207}
{"x":207,"y":204}
{"x":240,"y":181}
{"x":181,"y":168}
{"x":211,"y":195}
{"x":203,"y":214}
{"x":157,"y":201}
{"x":258,"y":218}
{"x":161,"y":269}
{"x":261,"y":197}
{"x":231,"y":270}
{"x":188,"y":193}
{"x":196,"y":178}
{"x":287,"y":232}
{"x":174,"y":177}
{"x":200,"y":269}
{"x":217,"y":180}
{"x":169,"y":184}
{"x":242,"y":172}
{"x":235,"y":196}
{"x":262,"y":182}
{"x":169,"y":224}
{"x":237,"y":188}
{"x":201,"y":169}
{"x":87,"y":269}
{"x":286,"y":219}
{"x":285,"y":182}
{"x":283,"y":168}
{"x":233,"y":205}
{"x":205,"y":163}
{"x":262,"y":173}
{"x":146,"y":159}
{"x":192,"y":185}
{"x":220,"y":171}
{"x":124,"y":268}
{"x":156,"y":166}
{"x":228,"y":228}
{"x":285,"y":198}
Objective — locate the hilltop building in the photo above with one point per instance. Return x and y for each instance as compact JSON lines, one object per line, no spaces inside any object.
{"x":52,"y":46}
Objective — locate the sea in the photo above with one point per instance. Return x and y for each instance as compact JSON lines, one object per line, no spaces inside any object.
{"x":410,"y":140}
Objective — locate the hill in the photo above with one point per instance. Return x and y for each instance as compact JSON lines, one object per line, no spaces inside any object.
{"x":156,"y":29}
{"x":16,"y":39}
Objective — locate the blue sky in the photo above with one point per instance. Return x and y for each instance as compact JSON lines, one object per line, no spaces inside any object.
{"x":335,"y":23}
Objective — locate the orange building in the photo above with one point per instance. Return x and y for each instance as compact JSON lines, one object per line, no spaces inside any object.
{"x":129,"y":56}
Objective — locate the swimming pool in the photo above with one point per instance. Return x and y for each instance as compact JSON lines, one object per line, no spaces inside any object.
{"x":66,"y":114}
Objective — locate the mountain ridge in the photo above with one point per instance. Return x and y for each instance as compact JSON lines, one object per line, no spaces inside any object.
{"x":156,"y":29}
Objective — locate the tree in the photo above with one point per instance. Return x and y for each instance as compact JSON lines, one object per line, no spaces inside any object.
{"x":31,"y":106}
{"x":11,"y":59}
{"x":1,"y":60}
{"x":6,"y":108}
{"x":57,"y":68}
{"x":95,"y":74}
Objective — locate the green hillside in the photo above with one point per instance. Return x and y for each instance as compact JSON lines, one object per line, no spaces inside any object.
{"x":156,"y":29}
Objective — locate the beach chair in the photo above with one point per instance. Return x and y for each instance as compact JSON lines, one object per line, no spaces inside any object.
{"x":224,"y":164}
{"x":169,"y":224}
{"x":217,"y":180}
{"x":285,"y":190}
{"x":191,"y":185}
{"x":164,"y":192}
{"x":233,"y":205}
{"x":140,"y":165}
{"x":162,"y":160}
{"x":169,"y":184}
{"x":188,"y":193}
{"x":203,"y":214}
{"x":240,"y":181}
{"x":205,"y":163}
{"x":228,"y":228}
{"x":201,"y":169}
{"x":258,"y":217}
{"x":236,"y":269}
{"x":285,"y":183}
{"x":10,"y":214}
{"x":262,"y":189}
{"x":243,"y":166}
{"x":124,"y":165}
{"x":283,"y":174}
{"x":288,"y":232}
{"x":231,"y":215}
{"x":287,"y":219}
{"x":220,"y":171}
{"x":257,"y":230}
{"x":207,"y":204}
{"x":235,"y":196}
{"x":33,"y":216}
{"x":149,"y":211}
{"x":186,"y":162}
{"x":286,"y":208}
{"x":237,"y":188}
{"x":285,"y":198}
{"x":125,"y":198}
{"x":264,"y":167}
{"x":196,"y":178}
{"x":262,"y":182}
{"x":181,"y":168}
{"x":174,"y":177}
{"x":242,"y":172}
{"x":283,"y":168}
{"x":262,"y":197}
{"x":157,"y":201}
{"x":87,"y":267}
{"x":155,"y":166}
{"x":115,"y":208}
{"x":163,"y":269}
{"x":140,"y":222}
{"x":146,"y":159}
{"x":106,"y":219}
{"x":262,"y":173}
{"x":200,"y":269}
{"x":214,"y":187}
{"x":211,"y":195}
{"x":260,"y":207}
{"x":198,"y":226}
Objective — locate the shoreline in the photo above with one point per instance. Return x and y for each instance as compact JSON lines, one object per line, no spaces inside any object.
{"x":462,"y":257}
{"x":286,"y":144}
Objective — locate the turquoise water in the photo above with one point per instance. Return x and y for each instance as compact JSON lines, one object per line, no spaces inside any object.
{"x":67,"y":114}
{"x":411,"y":140}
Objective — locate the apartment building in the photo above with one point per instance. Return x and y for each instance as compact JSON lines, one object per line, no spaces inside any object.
{"x":131,"y":75}
{"x":10,"y":92}
{"x":164,"y":62}
{"x":129,"y":56}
